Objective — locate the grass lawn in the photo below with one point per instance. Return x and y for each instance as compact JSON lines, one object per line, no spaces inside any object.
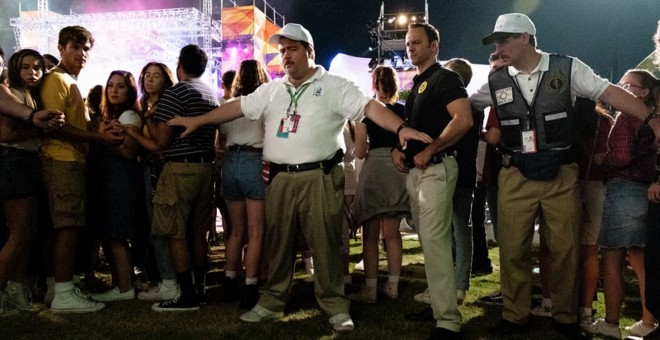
{"x":385,"y":320}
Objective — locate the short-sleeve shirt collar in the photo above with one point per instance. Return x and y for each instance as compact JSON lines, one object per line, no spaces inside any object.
{"x":542,"y":66}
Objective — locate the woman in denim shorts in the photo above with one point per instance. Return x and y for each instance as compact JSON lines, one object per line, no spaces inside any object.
{"x":243,"y":189}
{"x":20,"y":181}
{"x":631,"y":160}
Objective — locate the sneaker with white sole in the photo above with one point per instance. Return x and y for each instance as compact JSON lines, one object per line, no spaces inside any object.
{"x":342,"y":322}
{"x":606,"y":329}
{"x":391,"y":289}
{"x":114,"y":295}
{"x":73,"y":301}
{"x":360,"y":265}
{"x":20,"y":297}
{"x":639,"y":329}
{"x":543,"y":310}
{"x":366,"y":295}
{"x":423,"y":297}
{"x":6,"y":308}
{"x":180,"y":303}
{"x":162,"y":292}
{"x":260,"y":314}
{"x":587,"y":323}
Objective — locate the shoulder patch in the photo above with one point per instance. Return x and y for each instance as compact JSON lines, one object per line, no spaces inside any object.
{"x":422,"y":87}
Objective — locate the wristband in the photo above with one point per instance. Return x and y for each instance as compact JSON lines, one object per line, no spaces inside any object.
{"x":401,"y":127}
{"x":649,"y":117}
{"x":30,"y":120}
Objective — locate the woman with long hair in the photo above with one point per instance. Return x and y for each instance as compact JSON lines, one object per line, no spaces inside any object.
{"x":20,"y":181}
{"x":631,"y":158}
{"x":119,"y":183}
{"x":244,"y":190}
{"x":154,"y":79}
{"x":381,"y":199}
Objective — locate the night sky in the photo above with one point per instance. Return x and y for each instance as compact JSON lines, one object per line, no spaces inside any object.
{"x":609,"y":35}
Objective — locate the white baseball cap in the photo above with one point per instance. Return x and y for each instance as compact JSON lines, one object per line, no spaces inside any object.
{"x":294,"y":32}
{"x":510,"y":23}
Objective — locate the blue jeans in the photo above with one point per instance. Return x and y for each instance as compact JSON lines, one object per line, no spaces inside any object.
{"x":462,"y":236}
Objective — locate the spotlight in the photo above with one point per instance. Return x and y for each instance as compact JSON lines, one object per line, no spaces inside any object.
{"x":413,"y":19}
{"x":402,"y":20}
{"x":391,"y":20}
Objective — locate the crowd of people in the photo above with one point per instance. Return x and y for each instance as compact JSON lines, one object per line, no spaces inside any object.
{"x":135,"y":167}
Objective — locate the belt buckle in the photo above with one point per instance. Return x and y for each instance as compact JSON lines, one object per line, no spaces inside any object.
{"x":290,"y":168}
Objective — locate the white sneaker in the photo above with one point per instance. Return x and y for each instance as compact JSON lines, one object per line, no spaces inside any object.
{"x":587,"y":323}
{"x":6,"y":309}
{"x":114,"y":295}
{"x":342,"y":322}
{"x":162,"y":292}
{"x":543,"y":310}
{"x":606,"y":329}
{"x":360,"y":265}
{"x":20,"y":297}
{"x":639,"y":329}
{"x":73,"y":301}
{"x":423,"y":297}
{"x":260,"y":314}
{"x":390,"y":289}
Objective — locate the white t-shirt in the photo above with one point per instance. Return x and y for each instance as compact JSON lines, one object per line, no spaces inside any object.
{"x":323,"y":107}
{"x":243,"y":131}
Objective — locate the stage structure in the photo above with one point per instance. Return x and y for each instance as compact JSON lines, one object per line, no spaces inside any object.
{"x":388,"y":36}
{"x":128,"y":40}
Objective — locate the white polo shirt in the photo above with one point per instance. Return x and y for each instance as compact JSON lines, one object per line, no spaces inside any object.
{"x":584,"y":83}
{"x":323,"y":107}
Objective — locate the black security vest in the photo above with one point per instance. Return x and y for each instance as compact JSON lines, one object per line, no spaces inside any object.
{"x":551,"y":108}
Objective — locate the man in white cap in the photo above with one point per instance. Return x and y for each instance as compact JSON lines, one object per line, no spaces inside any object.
{"x":534,"y":95}
{"x":303,"y":114}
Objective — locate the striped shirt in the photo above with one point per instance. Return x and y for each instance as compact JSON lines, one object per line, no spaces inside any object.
{"x":188,"y":99}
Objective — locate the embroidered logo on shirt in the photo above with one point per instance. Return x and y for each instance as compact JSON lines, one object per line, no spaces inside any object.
{"x":422,"y":87}
{"x":556,"y":83}
{"x":504,"y":96}
{"x":318,"y":91}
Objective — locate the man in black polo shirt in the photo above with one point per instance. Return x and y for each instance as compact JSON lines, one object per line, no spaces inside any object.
{"x":184,"y":196}
{"x":438,"y":106}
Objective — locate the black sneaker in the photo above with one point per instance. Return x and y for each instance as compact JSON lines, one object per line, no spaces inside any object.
{"x":425,"y":315}
{"x":250,"y":297}
{"x":495,"y":298}
{"x":180,"y":303}
{"x":230,"y":293}
{"x":506,"y":328}
{"x":569,"y":330}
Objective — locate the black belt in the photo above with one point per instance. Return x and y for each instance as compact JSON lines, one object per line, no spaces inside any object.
{"x":326,"y":165}
{"x":247,"y":148}
{"x":191,"y":159}
{"x":516,"y":158}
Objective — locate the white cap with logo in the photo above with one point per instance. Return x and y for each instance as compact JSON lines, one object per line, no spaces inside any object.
{"x":294,"y":32}
{"x":510,"y":23}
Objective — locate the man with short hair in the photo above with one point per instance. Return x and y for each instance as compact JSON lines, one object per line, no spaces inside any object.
{"x":183,"y":201}
{"x":438,"y":106}
{"x":304,"y":113}
{"x":63,"y":155}
{"x":534,"y":95}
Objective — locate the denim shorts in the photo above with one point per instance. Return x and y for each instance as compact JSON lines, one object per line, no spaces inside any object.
{"x":624,"y":214}
{"x":20,"y":174}
{"x":241,"y":176}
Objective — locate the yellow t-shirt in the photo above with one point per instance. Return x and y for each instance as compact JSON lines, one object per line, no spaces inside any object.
{"x":60,"y":92}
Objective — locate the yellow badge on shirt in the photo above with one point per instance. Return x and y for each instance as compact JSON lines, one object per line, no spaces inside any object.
{"x":422,"y":87}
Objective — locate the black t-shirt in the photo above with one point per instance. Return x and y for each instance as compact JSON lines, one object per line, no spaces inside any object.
{"x":426,"y":107}
{"x":379,"y":137}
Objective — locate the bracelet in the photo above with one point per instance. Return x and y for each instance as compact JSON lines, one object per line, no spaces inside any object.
{"x":401,"y":127}
{"x":649,"y":117}
{"x":30,"y":120}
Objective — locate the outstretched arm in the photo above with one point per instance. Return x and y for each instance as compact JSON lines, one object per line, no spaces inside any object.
{"x":221,"y":114}
{"x":388,"y":120}
{"x":47,"y":120}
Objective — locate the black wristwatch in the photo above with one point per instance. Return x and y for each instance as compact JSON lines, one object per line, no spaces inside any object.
{"x":401,"y":127}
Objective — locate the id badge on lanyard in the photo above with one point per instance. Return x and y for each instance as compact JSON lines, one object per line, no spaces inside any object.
{"x":289,"y":123}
